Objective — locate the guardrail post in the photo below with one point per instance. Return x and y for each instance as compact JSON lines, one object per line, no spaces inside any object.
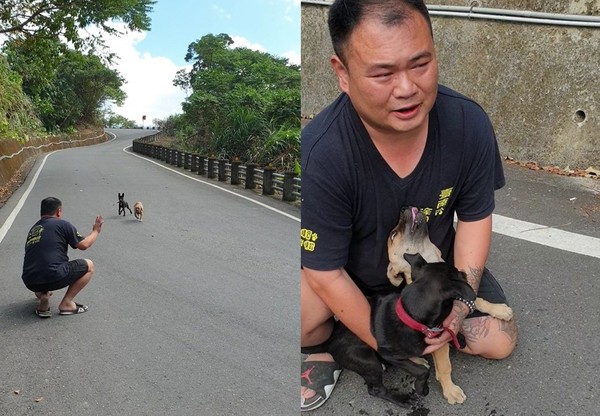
{"x":268,"y":181}
{"x":211,"y":168}
{"x":288,"y":186}
{"x":250,"y":183}
{"x":186,"y":161}
{"x":194,"y":166}
{"x":201,"y":170}
{"x":167,"y":155}
{"x":235,"y":172}
{"x":180,"y":158}
{"x":222,"y":176}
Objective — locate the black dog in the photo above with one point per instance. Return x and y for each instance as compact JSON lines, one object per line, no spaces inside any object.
{"x":123,"y":204}
{"x":428,"y":301}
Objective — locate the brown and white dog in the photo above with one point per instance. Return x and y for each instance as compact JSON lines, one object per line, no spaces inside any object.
{"x":138,"y":210}
{"x":411,"y":236}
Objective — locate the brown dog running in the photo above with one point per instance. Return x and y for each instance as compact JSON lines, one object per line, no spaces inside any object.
{"x":138,"y":210}
{"x":412,"y":236}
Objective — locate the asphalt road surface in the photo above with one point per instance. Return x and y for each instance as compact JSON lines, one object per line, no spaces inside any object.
{"x":194,"y":311}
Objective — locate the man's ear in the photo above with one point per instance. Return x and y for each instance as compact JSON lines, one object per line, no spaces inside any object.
{"x":341,"y":71}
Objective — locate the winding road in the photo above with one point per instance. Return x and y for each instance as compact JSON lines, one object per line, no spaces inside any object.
{"x":194,"y":311}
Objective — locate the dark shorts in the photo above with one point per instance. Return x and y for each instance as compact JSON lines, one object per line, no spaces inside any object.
{"x":77,"y":268}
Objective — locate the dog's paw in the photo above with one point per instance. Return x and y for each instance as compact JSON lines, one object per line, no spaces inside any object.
{"x":506,"y":313}
{"x":454,"y":394}
{"x":497,"y":310}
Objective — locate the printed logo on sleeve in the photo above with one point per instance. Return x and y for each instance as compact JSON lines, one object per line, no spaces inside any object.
{"x":308,"y":239}
{"x":34,"y":236}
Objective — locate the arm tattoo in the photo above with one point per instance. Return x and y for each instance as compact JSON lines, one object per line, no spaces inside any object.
{"x":461,"y":309}
{"x":474,"y":277}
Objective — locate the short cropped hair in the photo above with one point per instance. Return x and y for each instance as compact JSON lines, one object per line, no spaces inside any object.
{"x":345,"y":15}
{"x":50,"y":205}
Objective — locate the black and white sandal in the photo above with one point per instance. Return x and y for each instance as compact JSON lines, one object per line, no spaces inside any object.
{"x":320,"y":376}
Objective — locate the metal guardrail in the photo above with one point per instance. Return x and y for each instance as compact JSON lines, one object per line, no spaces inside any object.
{"x":287,"y":185}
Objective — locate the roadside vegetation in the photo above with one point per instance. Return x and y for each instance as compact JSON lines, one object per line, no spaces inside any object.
{"x":53,"y":79}
{"x":241,"y":104}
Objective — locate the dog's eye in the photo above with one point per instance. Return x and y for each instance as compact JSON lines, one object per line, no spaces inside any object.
{"x":393,"y":234}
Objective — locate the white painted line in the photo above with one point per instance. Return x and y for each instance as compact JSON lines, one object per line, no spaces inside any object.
{"x":285,"y":214}
{"x":11,"y":218}
{"x":547,"y":236}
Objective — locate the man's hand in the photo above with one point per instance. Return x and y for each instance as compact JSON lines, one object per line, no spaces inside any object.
{"x":454,"y":322}
{"x":98,"y":223}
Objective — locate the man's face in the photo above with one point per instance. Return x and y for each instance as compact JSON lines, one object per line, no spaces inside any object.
{"x":391,"y":74}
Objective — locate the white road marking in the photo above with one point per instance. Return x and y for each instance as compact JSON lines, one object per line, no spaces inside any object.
{"x":547,"y":236}
{"x":11,"y":218}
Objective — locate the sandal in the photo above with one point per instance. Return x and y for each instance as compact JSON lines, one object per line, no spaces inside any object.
{"x":78,"y":309}
{"x":43,"y":314}
{"x":320,"y":376}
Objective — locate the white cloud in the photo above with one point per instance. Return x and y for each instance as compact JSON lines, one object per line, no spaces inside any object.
{"x":149,"y":87}
{"x":293,"y":57}
{"x":241,"y":42}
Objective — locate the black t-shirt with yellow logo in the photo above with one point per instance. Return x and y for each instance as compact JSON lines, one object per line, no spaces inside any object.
{"x":351,"y":198}
{"x":46,"y":250}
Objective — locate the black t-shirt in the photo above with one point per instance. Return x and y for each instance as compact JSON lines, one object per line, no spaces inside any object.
{"x":46,"y":249}
{"x":351,"y":198}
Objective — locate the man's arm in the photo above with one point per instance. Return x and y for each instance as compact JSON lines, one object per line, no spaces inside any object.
{"x":337,"y":290}
{"x":472,"y":248}
{"x":471,"y":251}
{"x":90,"y":239}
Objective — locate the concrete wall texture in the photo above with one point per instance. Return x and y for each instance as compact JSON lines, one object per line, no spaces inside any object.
{"x":540,"y":84}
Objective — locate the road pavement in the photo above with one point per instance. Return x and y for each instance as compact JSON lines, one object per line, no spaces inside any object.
{"x":194,"y":311}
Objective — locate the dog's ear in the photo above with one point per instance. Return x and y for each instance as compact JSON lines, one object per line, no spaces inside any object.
{"x":415,"y":260}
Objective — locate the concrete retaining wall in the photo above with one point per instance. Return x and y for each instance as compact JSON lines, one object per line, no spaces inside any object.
{"x":540,"y":84}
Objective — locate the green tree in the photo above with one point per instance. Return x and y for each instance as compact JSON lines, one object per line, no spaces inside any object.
{"x":66,"y":86}
{"x":62,"y":19}
{"x":239,"y":99}
{"x":17,"y":114}
{"x":116,"y":120}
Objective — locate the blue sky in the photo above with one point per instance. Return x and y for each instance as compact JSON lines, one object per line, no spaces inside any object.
{"x":149,"y":60}
{"x":273,"y":24}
